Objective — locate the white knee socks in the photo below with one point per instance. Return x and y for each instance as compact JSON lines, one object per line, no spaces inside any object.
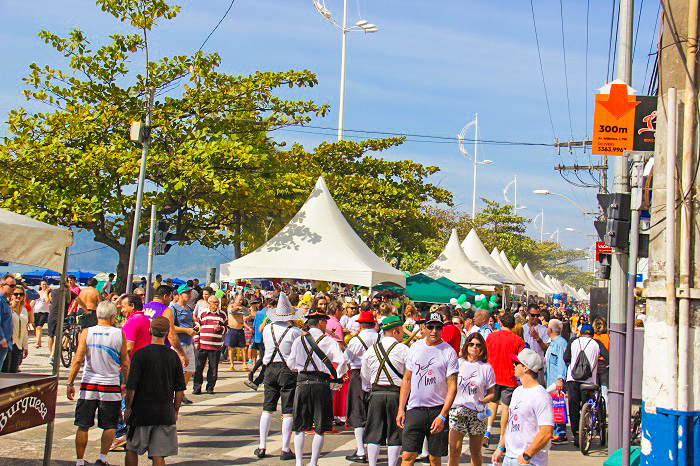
{"x":394,"y":455}
{"x":286,"y":432}
{"x":264,"y":428}
{"x":372,"y":453}
{"x":359,"y":439}
{"x":316,"y":447}
{"x":299,"y":447}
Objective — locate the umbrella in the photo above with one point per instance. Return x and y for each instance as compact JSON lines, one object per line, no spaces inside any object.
{"x":82,"y":277}
{"x":35,"y":276}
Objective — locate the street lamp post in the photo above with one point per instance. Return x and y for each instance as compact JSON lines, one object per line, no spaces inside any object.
{"x":460,"y":138}
{"x":516,"y":207}
{"x":546,"y":192}
{"x":541,"y":215}
{"x":360,"y":26}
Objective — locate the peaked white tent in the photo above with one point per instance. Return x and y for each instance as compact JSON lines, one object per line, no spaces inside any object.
{"x":482,"y":260}
{"x":540,"y":281}
{"x":532,"y":287}
{"x":584,"y":296}
{"x":496,"y":255}
{"x":506,"y":264}
{"x":454,"y":264}
{"x":550,"y":283}
{"x":317,"y":244}
{"x":531,"y":277}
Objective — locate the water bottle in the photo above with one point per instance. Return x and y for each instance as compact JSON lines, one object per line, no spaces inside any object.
{"x":483,"y":415}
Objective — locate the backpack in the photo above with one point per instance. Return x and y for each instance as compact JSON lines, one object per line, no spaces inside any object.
{"x":582,"y":367}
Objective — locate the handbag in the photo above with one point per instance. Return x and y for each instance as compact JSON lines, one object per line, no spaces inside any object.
{"x":559,"y":405}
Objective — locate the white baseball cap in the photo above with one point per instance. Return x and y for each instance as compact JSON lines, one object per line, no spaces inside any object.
{"x":529,"y":359}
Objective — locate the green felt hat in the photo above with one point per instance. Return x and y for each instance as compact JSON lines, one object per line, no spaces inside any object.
{"x":391,"y":322}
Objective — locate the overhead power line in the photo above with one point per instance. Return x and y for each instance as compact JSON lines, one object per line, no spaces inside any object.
{"x":539,"y":56}
{"x":566,"y":73}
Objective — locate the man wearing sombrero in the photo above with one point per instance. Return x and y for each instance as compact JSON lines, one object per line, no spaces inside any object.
{"x":356,"y":409}
{"x":280,"y":381}
{"x":319,"y":361}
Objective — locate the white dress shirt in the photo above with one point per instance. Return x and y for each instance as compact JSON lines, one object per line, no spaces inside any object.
{"x":285,"y":344}
{"x":355,"y":350}
{"x":330,"y":347}
{"x":370,"y":364}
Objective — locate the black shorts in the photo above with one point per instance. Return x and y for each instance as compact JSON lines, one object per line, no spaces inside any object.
{"x":356,"y":407}
{"x":235,"y":338}
{"x":40,"y":318}
{"x":417,"y":428}
{"x":313,"y":403}
{"x":280,"y":382}
{"x":381,"y":428}
{"x":52,"y":326}
{"x":503,"y":394}
{"x":258,"y":346}
{"x":107,"y":413}
{"x":88,"y":319}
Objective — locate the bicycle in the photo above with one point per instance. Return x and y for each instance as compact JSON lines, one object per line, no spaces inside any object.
{"x":593,"y":418}
{"x":69,"y":339}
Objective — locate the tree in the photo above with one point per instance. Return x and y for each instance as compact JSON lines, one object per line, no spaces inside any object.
{"x":214,"y":171}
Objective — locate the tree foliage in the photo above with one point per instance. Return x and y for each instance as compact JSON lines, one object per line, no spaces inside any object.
{"x":499,"y":226}
{"x":214,"y":170}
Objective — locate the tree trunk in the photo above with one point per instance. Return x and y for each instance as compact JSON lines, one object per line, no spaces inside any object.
{"x":122,"y":269}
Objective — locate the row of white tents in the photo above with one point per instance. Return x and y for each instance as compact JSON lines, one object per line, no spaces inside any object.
{"x":319,"y":244}
{"x":470,"y":264}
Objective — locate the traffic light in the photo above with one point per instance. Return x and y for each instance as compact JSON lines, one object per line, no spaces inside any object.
{"x":615,"y":230}
{"x":605,"y":263}
{"x":161,"y":245}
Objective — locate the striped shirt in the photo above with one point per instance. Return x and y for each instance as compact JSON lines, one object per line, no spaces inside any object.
{"x":212,"y":329}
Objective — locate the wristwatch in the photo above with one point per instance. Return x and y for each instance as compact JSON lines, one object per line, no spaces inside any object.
{"x":526,"y":457}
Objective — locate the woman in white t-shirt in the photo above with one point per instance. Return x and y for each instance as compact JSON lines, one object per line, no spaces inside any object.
{"x":475,"y":389}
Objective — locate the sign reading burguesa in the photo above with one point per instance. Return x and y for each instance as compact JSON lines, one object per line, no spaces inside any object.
{"x":623,"y":121}
{"x":26,"y":401}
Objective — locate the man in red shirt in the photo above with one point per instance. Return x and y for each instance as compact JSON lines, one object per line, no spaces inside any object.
{"x":501,"y":344}
{"x":450,"y":333}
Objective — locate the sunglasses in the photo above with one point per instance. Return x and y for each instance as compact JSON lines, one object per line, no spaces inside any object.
{"x":17,"y":294}
{"x":534,"y":315}
{"x":474,"y":345}
{"x":432,"y":327}
{"x":11,"y":286}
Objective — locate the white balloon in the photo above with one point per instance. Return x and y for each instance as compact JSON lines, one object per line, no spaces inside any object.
{"x":454,"y":301}
{"x":214,"y":286}
{"x":492,"y":305}
{"x":467,"y":305}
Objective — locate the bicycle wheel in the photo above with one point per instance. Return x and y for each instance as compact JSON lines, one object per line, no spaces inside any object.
{"x":603,"y":422}
{"x":66,"y":350}
{"x":585,"y":433}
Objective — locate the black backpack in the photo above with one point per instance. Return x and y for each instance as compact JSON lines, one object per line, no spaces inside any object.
{"x":582,"y":367}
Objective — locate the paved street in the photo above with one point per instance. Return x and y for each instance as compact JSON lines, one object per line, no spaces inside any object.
{"x":216,"y":430}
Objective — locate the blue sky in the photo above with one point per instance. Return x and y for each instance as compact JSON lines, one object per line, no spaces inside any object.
{"x":431,"y":66}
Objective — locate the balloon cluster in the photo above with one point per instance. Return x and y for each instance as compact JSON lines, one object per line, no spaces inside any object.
{"x":461,"y":302}
{"x":306,"y":299}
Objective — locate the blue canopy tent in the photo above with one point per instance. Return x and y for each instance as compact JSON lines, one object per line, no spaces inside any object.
{"x":36,"y":276}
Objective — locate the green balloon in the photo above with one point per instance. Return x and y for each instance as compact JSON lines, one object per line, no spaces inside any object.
{"x":219,"y":294}
{"x":494,"y":299}
{"x":462,"y":299}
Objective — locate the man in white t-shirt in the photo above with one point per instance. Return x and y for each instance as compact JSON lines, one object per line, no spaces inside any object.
{"x":530,"y":417}
{"x":535,"y":333}
{"x":431,"y":382}
{"x":591,"y":348}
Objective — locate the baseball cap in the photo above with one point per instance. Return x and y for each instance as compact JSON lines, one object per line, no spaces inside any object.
{"x":183,"y":289}
{"x":529,"y":359}
{"x":160,"y":324}
{"x":433,"y":317}
{"x":587,"y":328}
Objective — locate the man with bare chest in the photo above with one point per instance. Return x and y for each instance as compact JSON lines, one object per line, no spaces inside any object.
{"x":91,"y":297}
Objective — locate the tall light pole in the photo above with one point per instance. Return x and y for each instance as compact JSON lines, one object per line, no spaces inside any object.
{"x":516,"y":207}
{"x":461,"y":138}
{"x":546,"y":192}
{"x":541,"y":214}
{"x":360,"y":26}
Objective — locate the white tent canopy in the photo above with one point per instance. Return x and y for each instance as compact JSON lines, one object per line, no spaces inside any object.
{"x":31,"y":242}
{"x":454,"y":264}
{"x":509,"y":267}
{"x":496,"y":255}
{"x":584,"y":296}
{"x":540,"y":281}
{"x":317,"y":244}
{"x":531,"y":277}
{"x":482,"y":260}
{"x":520,"y":271}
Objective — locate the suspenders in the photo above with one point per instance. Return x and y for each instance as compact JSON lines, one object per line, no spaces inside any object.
{"x":277,"y":344}
{"x":362,"y":341}
{"x":310,"y":353}
{"x":383,"y":358}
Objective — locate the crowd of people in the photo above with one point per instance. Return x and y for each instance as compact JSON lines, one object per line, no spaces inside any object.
{"x":417,"y":379}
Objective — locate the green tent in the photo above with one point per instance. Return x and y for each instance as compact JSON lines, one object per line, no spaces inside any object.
{"x":421,"y":288}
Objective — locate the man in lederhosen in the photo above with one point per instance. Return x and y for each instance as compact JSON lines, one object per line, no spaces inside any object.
{"x":280,"y":380}
{"x":383,"y":366}
{"x":429,"y":387}
{"x":356,"y":409}
{"x":319,"y":361}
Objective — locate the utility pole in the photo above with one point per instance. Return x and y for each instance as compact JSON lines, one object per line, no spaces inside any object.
{"x":151,"y":252}
{"x":476,"y":144}
{"x":145,"y":141}
{"x":618,"y":272}
{"x":341,"y":109}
